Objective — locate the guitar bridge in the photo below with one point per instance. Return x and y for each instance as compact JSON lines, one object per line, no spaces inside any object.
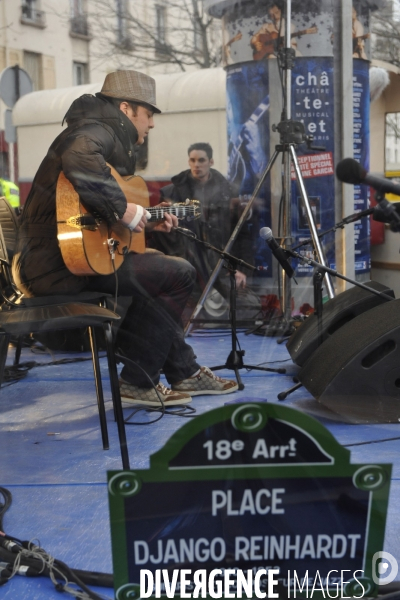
{"x":84,"y":222}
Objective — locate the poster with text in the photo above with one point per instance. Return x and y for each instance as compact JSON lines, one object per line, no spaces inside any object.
{"x":248,"y":125}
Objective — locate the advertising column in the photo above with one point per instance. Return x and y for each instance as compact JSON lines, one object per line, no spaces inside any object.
{"x":253,"y":34}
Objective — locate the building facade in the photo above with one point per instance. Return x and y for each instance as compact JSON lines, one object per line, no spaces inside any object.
{"x":75,"y":42}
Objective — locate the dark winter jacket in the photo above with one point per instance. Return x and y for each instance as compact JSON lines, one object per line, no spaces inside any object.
{"x":97,"y":132}
{"x":218,"y":219}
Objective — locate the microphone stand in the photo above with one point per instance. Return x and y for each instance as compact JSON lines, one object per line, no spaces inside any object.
{"x":318,"y":276}
{"x":234,"y":361}
{"x":292,"y":133}
{"x":345,"y":221}
{"x":383,"y":212}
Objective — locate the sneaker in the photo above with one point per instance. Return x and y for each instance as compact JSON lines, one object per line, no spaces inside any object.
{"x":148,"y":396}
{"x":205,"y":383}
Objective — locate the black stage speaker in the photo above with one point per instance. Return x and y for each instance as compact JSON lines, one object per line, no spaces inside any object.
{"x":356,"y":371}
{"x":335,"y":313}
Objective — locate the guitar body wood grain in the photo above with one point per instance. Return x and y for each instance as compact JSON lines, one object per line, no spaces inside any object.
{"x":85,"y":251}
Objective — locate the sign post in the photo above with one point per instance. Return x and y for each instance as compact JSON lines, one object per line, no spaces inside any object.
{"x":14,"y":83}
{"x":249,"y":500}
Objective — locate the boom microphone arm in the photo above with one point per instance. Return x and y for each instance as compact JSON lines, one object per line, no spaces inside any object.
{"x":309,"y":261}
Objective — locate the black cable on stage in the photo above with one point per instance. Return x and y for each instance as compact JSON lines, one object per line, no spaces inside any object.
{"x":73,"y":577}
{"x":5,"y":504}
{"x":174,"y":411}
{"x":269,"y":362}
{"x":161,"y":408}
{"x":116,"y":285}
{"x":28,"y":559}
{"x":213,"y":333}
{"x":36,"y":566}
{"x":372,"y":442}
{"x":15,"y":373}
{"x":59,"y":572}
{"x":18,"y":372}
{"x":390,"y":596}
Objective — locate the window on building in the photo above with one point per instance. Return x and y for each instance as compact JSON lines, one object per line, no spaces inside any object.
{"x":392,"y":142}
{"x":29,"y":8}
{"x":4,"y":167}
{"x":78,"y":20}
{"x":161,"y":24}
{"x":31,"y":13}
{"x":122,"y":28}
{"x":396,"y":10}
{"x":124,"y":40}
{"x":80,"y":73}
{"x":33,"y":66}
{"x":76,"y":8}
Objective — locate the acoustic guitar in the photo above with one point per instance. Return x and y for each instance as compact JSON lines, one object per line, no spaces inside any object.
{"x":86,"y":241}
{"x":267,"y":43}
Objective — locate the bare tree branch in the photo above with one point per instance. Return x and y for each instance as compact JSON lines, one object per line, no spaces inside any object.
{"x":386,"y":35}
{"x":184,"y":36}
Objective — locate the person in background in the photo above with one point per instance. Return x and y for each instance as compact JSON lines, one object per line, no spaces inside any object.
{"x":220,"y":211}
{"x":10,"y":191}
{"x":358,"y":37}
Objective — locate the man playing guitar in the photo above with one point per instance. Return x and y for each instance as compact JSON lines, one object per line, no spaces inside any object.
{"x":103,"y":131}
{"x":358,"y":37}
{"x":264,"y":42}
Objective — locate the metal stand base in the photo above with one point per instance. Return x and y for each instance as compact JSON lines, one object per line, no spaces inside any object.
{"x":283,"y":395}
{"x":234,"y":362}
{"x":277,"y":327}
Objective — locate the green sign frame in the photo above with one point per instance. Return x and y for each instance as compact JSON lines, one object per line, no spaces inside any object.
{"x":237,"y":450}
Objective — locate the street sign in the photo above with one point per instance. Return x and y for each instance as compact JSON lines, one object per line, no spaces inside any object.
{"x":10,"y":131}
{"x":257,"y":494}
{"x":14,"y":83}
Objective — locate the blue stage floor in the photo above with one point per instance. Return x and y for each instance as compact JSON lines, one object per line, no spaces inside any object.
{"x":53,"y":463}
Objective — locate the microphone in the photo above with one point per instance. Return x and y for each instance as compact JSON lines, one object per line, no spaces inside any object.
{"x":277,"y":251}
{"x":349,"y":170}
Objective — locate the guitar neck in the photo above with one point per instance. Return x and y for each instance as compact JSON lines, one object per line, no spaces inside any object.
{"x":304,"y":32}
{"x":180,"y":211}
{"x":297,"y":34}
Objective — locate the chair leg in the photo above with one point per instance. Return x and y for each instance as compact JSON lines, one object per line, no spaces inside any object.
{"x":18,"y":350}
{"x":4,"y":342}
{"x":116,"y":396}
{"x":99,"y":389}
